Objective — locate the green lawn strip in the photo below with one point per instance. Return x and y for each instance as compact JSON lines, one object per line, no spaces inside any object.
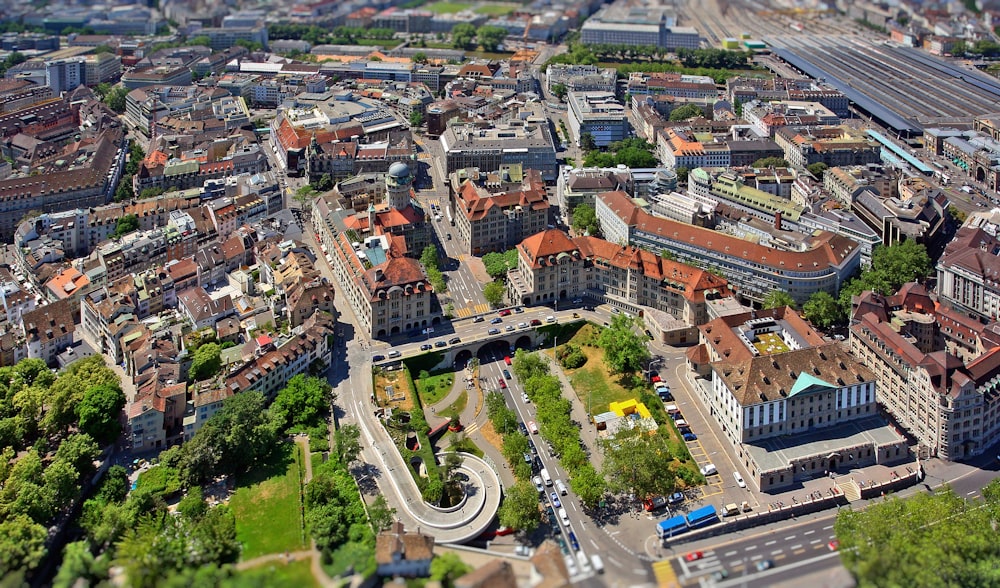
{"x":494,"y":9}
{"x":266,"y":505}
{"x":434,"y":387}
{"x":455,"y":408}
{"x":356,"y":556}
{"x":298,"y":573}
{"x":446,"y":7}
{"x":459,"y":442}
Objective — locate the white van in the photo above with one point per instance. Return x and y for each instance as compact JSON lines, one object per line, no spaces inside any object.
{"x":561,"y":487}
{"x":550,"y":319}
{"x":545,"y":477}
{"x":707,"y":470}
{"x":595,"y":560}
{"x":564,"y":516}
{"x":394,"y":353}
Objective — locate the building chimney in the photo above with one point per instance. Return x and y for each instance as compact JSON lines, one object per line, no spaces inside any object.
{"x":777,"y":220}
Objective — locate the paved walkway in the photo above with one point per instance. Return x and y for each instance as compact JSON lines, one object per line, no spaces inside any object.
{"x":588,"y":432}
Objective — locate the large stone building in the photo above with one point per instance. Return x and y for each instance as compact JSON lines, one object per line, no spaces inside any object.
{"x":824,"y":263}
{"x":525,"y":142}
{"x":794,"y":406}
{"x":598,"y":114}
{"x":486,"y":222}
{"x":967,"y":271}
{"x":948,"y":403}
{"x":834,"y":146}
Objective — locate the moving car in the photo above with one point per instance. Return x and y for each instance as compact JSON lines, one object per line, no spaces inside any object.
{"x":554,"y":497}
{"x":573,"y":541}
{"x":454,"y":341}
{"x":502,"y":383}
{"x":378,"y":357}
{"x":764,"y":564}
{"x":720,"y":575}
{"x":694,"y":556}
{"x":564,"y":516}
{"x":504,"y":312}
{"x":525,"y":398}
{"x":739,"y":480}
{"x":426,"y":347}
{"x":834,"y":545}
{"x":478,"y":319}
{"x":550,"y":319}
{"x":533,"y":427}
{"x":506,"y":359}
{"x":496,"y":321}
{"x":394,"y":353}
{"x":506,"y":374}
{"x":493,"y":331}
{"x":522,"y":325}
{"x":577,"y":300}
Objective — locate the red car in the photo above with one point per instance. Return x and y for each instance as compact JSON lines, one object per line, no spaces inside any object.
{"x":506,"y":360}
{"x":502,"y":383}
{"x":535,"y":322}
{"x":694,"y":556}
{"x":834,"y":545}
{"x":505,"y":312}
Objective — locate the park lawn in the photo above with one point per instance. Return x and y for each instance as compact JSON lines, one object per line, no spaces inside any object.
{"x":455,"y":408}
{"x":298,"y":573}
{"x":266,"y":505}
{"x":594,"y":384}
{"x":447,"y":7}
{"x":495,"y":9}
{"x":434,"y":388}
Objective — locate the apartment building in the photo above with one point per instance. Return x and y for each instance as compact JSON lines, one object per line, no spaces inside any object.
{"x":768,"y":117}
{"x":687,"y":146}
{"x":486,"y":222}
{"x":581,"y":78}
{"x":967,"y":269}
{"x":48,"y":330}
{"x":948,"y":404}
{"x":824,"y":262}
{"x":834,"y":146}
{"x":672,"y":84}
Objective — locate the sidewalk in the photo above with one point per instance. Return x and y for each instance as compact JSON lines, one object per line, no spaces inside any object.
{"x":588,"y":432}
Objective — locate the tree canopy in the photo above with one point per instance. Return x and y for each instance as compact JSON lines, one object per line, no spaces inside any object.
{"x":631,"y":152}
{"x":928,"y":540}
{"x":624,"y":349}
{"x":891,"y":267}
{"x":125,"y":225}
{"x":462,"y":35}
{"x":303,"y":401}
{"x":494,"y":293}
{"x":770,"y":162}
{"x":822,"y":310}
{"x":207,"y":362}
{"x":817,"y":169}
{"x":778,"y":298}
{"x":685,"y":112}
{"x":559,"y":90}
{"x":520,"y":507}
{"x":639,"y":463}
{"x":98,"y":412}
{"x":585,"y":220}
{"x":490,"y":37}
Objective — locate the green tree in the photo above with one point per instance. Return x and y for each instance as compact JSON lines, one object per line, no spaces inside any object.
{"x":957,"y":215}
{"x":125,"y":225}
{"x":462,"y":35}
{"x":79,"y":451}
{"x":588,"y":484}
{"x":682,"y":174}
{"x":115,"y":99}
{"x":587,"y":142}
{"x":416,"y":118}
{"x":490,"y":37}
{"x":559,"y":90}
{"x":124,"y":191}
{"x":429,"y":257}
{"x":78,"y":563}
{"x":778,"y":298}
{"x":303,"y":401}
{"x":520,"y":507}
{"x":494,"y":293}
{"x":193,"y":505}
{"x":686,"y":112}
{"x":624,"y":349}
{"x":419,"y":57}
{"x":22,"y":544}
{"x":822,"y":310}
{"x":901,"y":262}
{"x":99,"y":410}
{"x":639,"y":463}
{"x":497,"y":264}
{"x":585,"y":220}
{"x":101,"y":90}
{"x":348,"y":442}
{"x":448,"y":567}
{"x":380,"y":515}
{"x":207,"y":362}
{"x":817,"y":169}
{"x":202,"y":40}
{"x":770,"y":162}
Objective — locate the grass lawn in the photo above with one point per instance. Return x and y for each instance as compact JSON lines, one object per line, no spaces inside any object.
{"x":266,"y":505}
{"x":456,"y":408}
{"x":495,"y":9}
{"x":356,"y":555}
{"x":296,"y":573}
{"x":593,"y":383}
{"x":447,"y":7}
{"x":433,"y":388}
{"x":436,"y":45}
{"x":402,"y":395}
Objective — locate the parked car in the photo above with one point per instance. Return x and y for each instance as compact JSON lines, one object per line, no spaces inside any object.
{"x":454,"y":341}
{"x":739,"y":480}
{"x":693,"y":437}
{"x":496,"y":321}
{"x":426,"y":347}
{"x":504,"y":312}
{"x":378,"y":357}
{"x":518,"y":310}
{"x":538,"y":484}
{"x":708,"y":469}
{"x":441,"y":343}
{"x":527,"y":458}
{"x":535,"y":322}
{"x":509,"y":328}
{"x":493,"y":331}
{"x":655,"y":503}
{"x":478,"y":319}
{"x":554,"y":497}
{"x":684,"y":430}
{"x":524,"y":429}
{"x":522,"y":325}
{"x":834,"y":545}
{"x":577,"y":300}
{"x":676,"y":498}
{"x":573,"y":541}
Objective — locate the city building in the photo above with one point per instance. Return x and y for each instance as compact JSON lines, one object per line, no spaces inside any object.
{"x":526,"y":142}
{"x":834,"y":146}
{"x":48,"y":330}
{"x":598,"y":114}
{"x":947,"y":403}
{"x":967,"y":270}
{"x":768,"y":117}
{"x":486,"y":221}
{"x":623,"y":23}
{"x":746,"y":89}
{"x":672,"y":84}
{"x":581,"y":78}
{"x":824,"y":261}
{"x":794,"y":406}
{"x":684,"y":145}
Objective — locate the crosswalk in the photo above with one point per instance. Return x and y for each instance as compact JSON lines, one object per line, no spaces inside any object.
{"x":709,"y":563}
{"x":467,"y":311}
{"x":471,"y":429}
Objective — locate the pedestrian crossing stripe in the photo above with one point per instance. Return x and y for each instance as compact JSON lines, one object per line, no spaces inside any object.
{"x":666,"y":577}
{"x":464,"y":312}
{"x":482,"y":308}
{"x":472,"y":428}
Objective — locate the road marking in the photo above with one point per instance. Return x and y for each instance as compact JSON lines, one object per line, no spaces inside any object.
{"x":970,"y":493}
{"x":782,"y":556}
{"x":750,"y":548}
{"x":814,"y":541}
{"x":770,"y":543}
{"x":809,"y":532}
{"x":756,"y":557}
{"x":828,"y":527}
{"x":729,"y":553}
{"x":797,"y":546}
{"x":776,"y":551}
{"x":790,"y":537}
